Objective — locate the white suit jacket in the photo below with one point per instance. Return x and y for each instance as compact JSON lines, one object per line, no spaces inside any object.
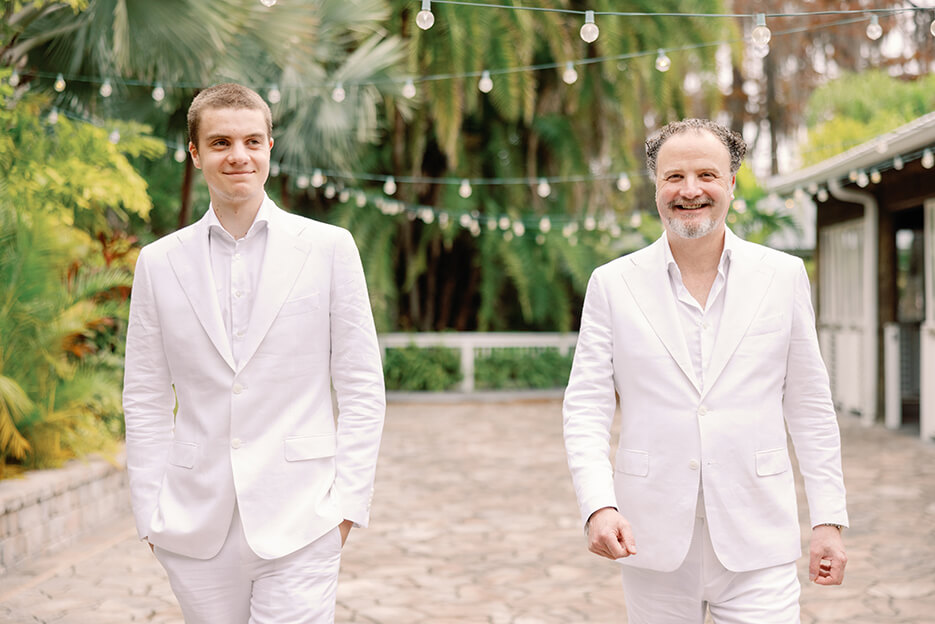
{"x":261,"y":433}
{"x":765,"y":374}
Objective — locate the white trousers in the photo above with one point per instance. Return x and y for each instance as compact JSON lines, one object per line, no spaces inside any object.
{"x":767,"y":596}
{"x":238,"y":587}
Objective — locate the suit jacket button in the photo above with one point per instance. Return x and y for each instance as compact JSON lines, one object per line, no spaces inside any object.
{"x":693,"y":464}
{"x":237,"y":388}
{"x":235,"y":443}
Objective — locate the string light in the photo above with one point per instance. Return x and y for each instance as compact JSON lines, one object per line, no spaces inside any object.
{"x":543,"y":189}
{"x":330,"y":191}
{"x":409,"y":89}
{"x":761,"y":33}
{"x":822,"y":194}
{"x":932,"y":28}
{"x":53,"y":116}
{"x":486,"y":82}
{"x":318,"y":178}
{"x":898,"y":163}
{"x":14,"y":79}
{"x":623,"y":183}
{"x":338,"y":94}
{"x":159,"y":94}
{"x":274,"y":95}
{"x":389,"y":187}
{"x":875,"y":176}
{"x":663,"y":62}
{"x":874,"y":30}
{"x":425,"y":19}
{"x":106,"y":89}
{"x":570,"y":75}
{"x":465,"y":190}
{"x":268,"y":3}
{"x":274,"y":169}
{"x":589,"y":30}
{"x":928,"y":160}
{"x":862,"y":179}
{"x":545,"y":224}
{"x":114,"y":137}
{"x":180,"y":155}
{"x":59,"y":83}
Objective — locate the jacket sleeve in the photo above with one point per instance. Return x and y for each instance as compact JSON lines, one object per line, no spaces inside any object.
{"x":148,"y":399}
{"x":810,"y":414}
{"x":357,"y":375}
{"x":589,"y":405}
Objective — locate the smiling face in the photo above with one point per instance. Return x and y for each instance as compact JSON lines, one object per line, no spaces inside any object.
{"x":694,"y":185}
{"x":233,"y":154}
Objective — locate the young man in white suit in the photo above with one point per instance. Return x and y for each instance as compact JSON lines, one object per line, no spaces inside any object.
{"x":240,"y":478}
{"x":709,"y":342}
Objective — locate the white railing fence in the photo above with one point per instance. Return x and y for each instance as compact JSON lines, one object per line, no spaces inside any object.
{"x":473,"y":344}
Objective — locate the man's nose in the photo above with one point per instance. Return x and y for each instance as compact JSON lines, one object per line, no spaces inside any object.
{"x":690,"y":187}
{"x":237,"y":153}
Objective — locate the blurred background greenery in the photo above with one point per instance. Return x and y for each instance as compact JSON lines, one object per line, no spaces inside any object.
{"x":93,"y":96}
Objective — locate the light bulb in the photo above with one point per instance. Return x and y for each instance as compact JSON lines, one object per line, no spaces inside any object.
{"x":822,"y":194}
{"x":761,"y":33}
{"x":179,"y":155}
{"x":330,"y":191}
{"x":491,"y":224}
{"x":465,"y":189}
{"x":114,"y":137}
{"x":425,"y":19}
{"x":360,"y":200}
{"x":267,"y":3}
{"x":928,"y":160}
{"x":761,"y":51}
{"x":898,"y":163}
{"x":14,"y":78}
{"x":409,"y":89}
{"x":874,"y":30}
{"x":338,"y":93}
{"x":53,"y":116}
{"x":863,"y":179}
{"x":302,"y":181}
{"x":159,"y":94}
{"x":569,"y":75}
{"x":518,"y":228}
{"x":636,"y":219}
{"x":932,"y":28}
{"x":543,"y":189}
{"x":59,"y":83}
{"x":274,"y":169}
{"x":852,"y":175}
{"x":486,"y":83}
{"x":875,"y":176}
{"x":545,"y":225}
{"x":739,"y":206}
{"x":589,"y":30}
{"x":274,"y":95}
{"x":590,"y":223}
{"x":504,"y":223}
{"x":318,"y":178}
{"x":663,"y":62}
{"x":106,"y":89}
{"x":623,"y":183}
{"x":389,"y":187}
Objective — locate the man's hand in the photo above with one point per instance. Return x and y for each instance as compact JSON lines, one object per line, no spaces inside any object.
{"x":826,"y":558}
{"x":609,"y":534}
{"x":345,"y":528}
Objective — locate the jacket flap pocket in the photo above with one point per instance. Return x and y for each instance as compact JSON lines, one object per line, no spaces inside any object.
{"x":775,"y":461}
{"x":765,"y":325}
{"x":310,"y":447}
{"x":633,"y":462}
{"x":301,"y":305}
{"x":183,"y":454}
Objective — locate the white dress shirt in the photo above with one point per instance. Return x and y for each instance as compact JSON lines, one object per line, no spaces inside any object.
{"x":236,"y":266}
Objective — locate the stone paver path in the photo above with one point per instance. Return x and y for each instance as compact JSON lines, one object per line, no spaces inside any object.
{"x":474,"y":520}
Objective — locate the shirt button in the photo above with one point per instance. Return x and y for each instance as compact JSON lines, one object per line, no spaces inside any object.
{"x":237,"y":293}
{"x":239,"y":334}
{"x":235,"y":443}
{"x":693,"y":464}
{"x":702,"y":411}
{"x":236,"y":256}
{"x":237,"y":388}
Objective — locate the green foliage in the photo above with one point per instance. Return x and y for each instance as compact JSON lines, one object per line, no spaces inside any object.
{"x":858,"y":107}
{"x":521,"y":369}
{"x":413,"y":368}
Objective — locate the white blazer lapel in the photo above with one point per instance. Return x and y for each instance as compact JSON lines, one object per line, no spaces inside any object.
{"x":748,"y":281}
{"x":191,"y":263}
{"x":285,"y":257}
{"x":646,"y":275}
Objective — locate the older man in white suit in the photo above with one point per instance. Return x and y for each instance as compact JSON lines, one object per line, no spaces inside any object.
{"x":241,"y":478}
{"x":709,"y":342}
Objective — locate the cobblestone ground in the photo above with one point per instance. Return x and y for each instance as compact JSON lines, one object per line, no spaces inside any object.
{"x":474,"y":520}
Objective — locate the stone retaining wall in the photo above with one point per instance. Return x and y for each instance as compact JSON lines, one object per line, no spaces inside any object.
{"x":47,"y":510}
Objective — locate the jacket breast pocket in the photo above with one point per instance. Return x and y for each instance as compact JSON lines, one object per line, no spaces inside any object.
{"x":765,"y":325}
{"x":182,"y":454}
{"x":300,"y":305}
{"x":632,"y":462}
{"x":772,"y":462}
{"x":300,"y":448}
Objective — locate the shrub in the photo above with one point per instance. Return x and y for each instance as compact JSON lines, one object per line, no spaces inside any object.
{"x":518,"y":368}
{"x":413,"y":368}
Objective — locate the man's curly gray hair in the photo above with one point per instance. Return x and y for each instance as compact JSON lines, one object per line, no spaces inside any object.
{"x":734,"y":143}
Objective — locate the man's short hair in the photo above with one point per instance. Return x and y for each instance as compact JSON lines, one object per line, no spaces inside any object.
{"x":734,"y":143}
{"x":227,"y":95}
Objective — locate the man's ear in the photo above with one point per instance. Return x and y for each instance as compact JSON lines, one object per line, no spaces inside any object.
{"x":194,"y":152}
{"x":271,"y":142}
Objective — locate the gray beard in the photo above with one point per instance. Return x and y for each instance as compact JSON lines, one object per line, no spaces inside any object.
{"x":691,"y":230}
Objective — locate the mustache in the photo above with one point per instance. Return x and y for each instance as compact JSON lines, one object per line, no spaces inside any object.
{"x":704,"y":200}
